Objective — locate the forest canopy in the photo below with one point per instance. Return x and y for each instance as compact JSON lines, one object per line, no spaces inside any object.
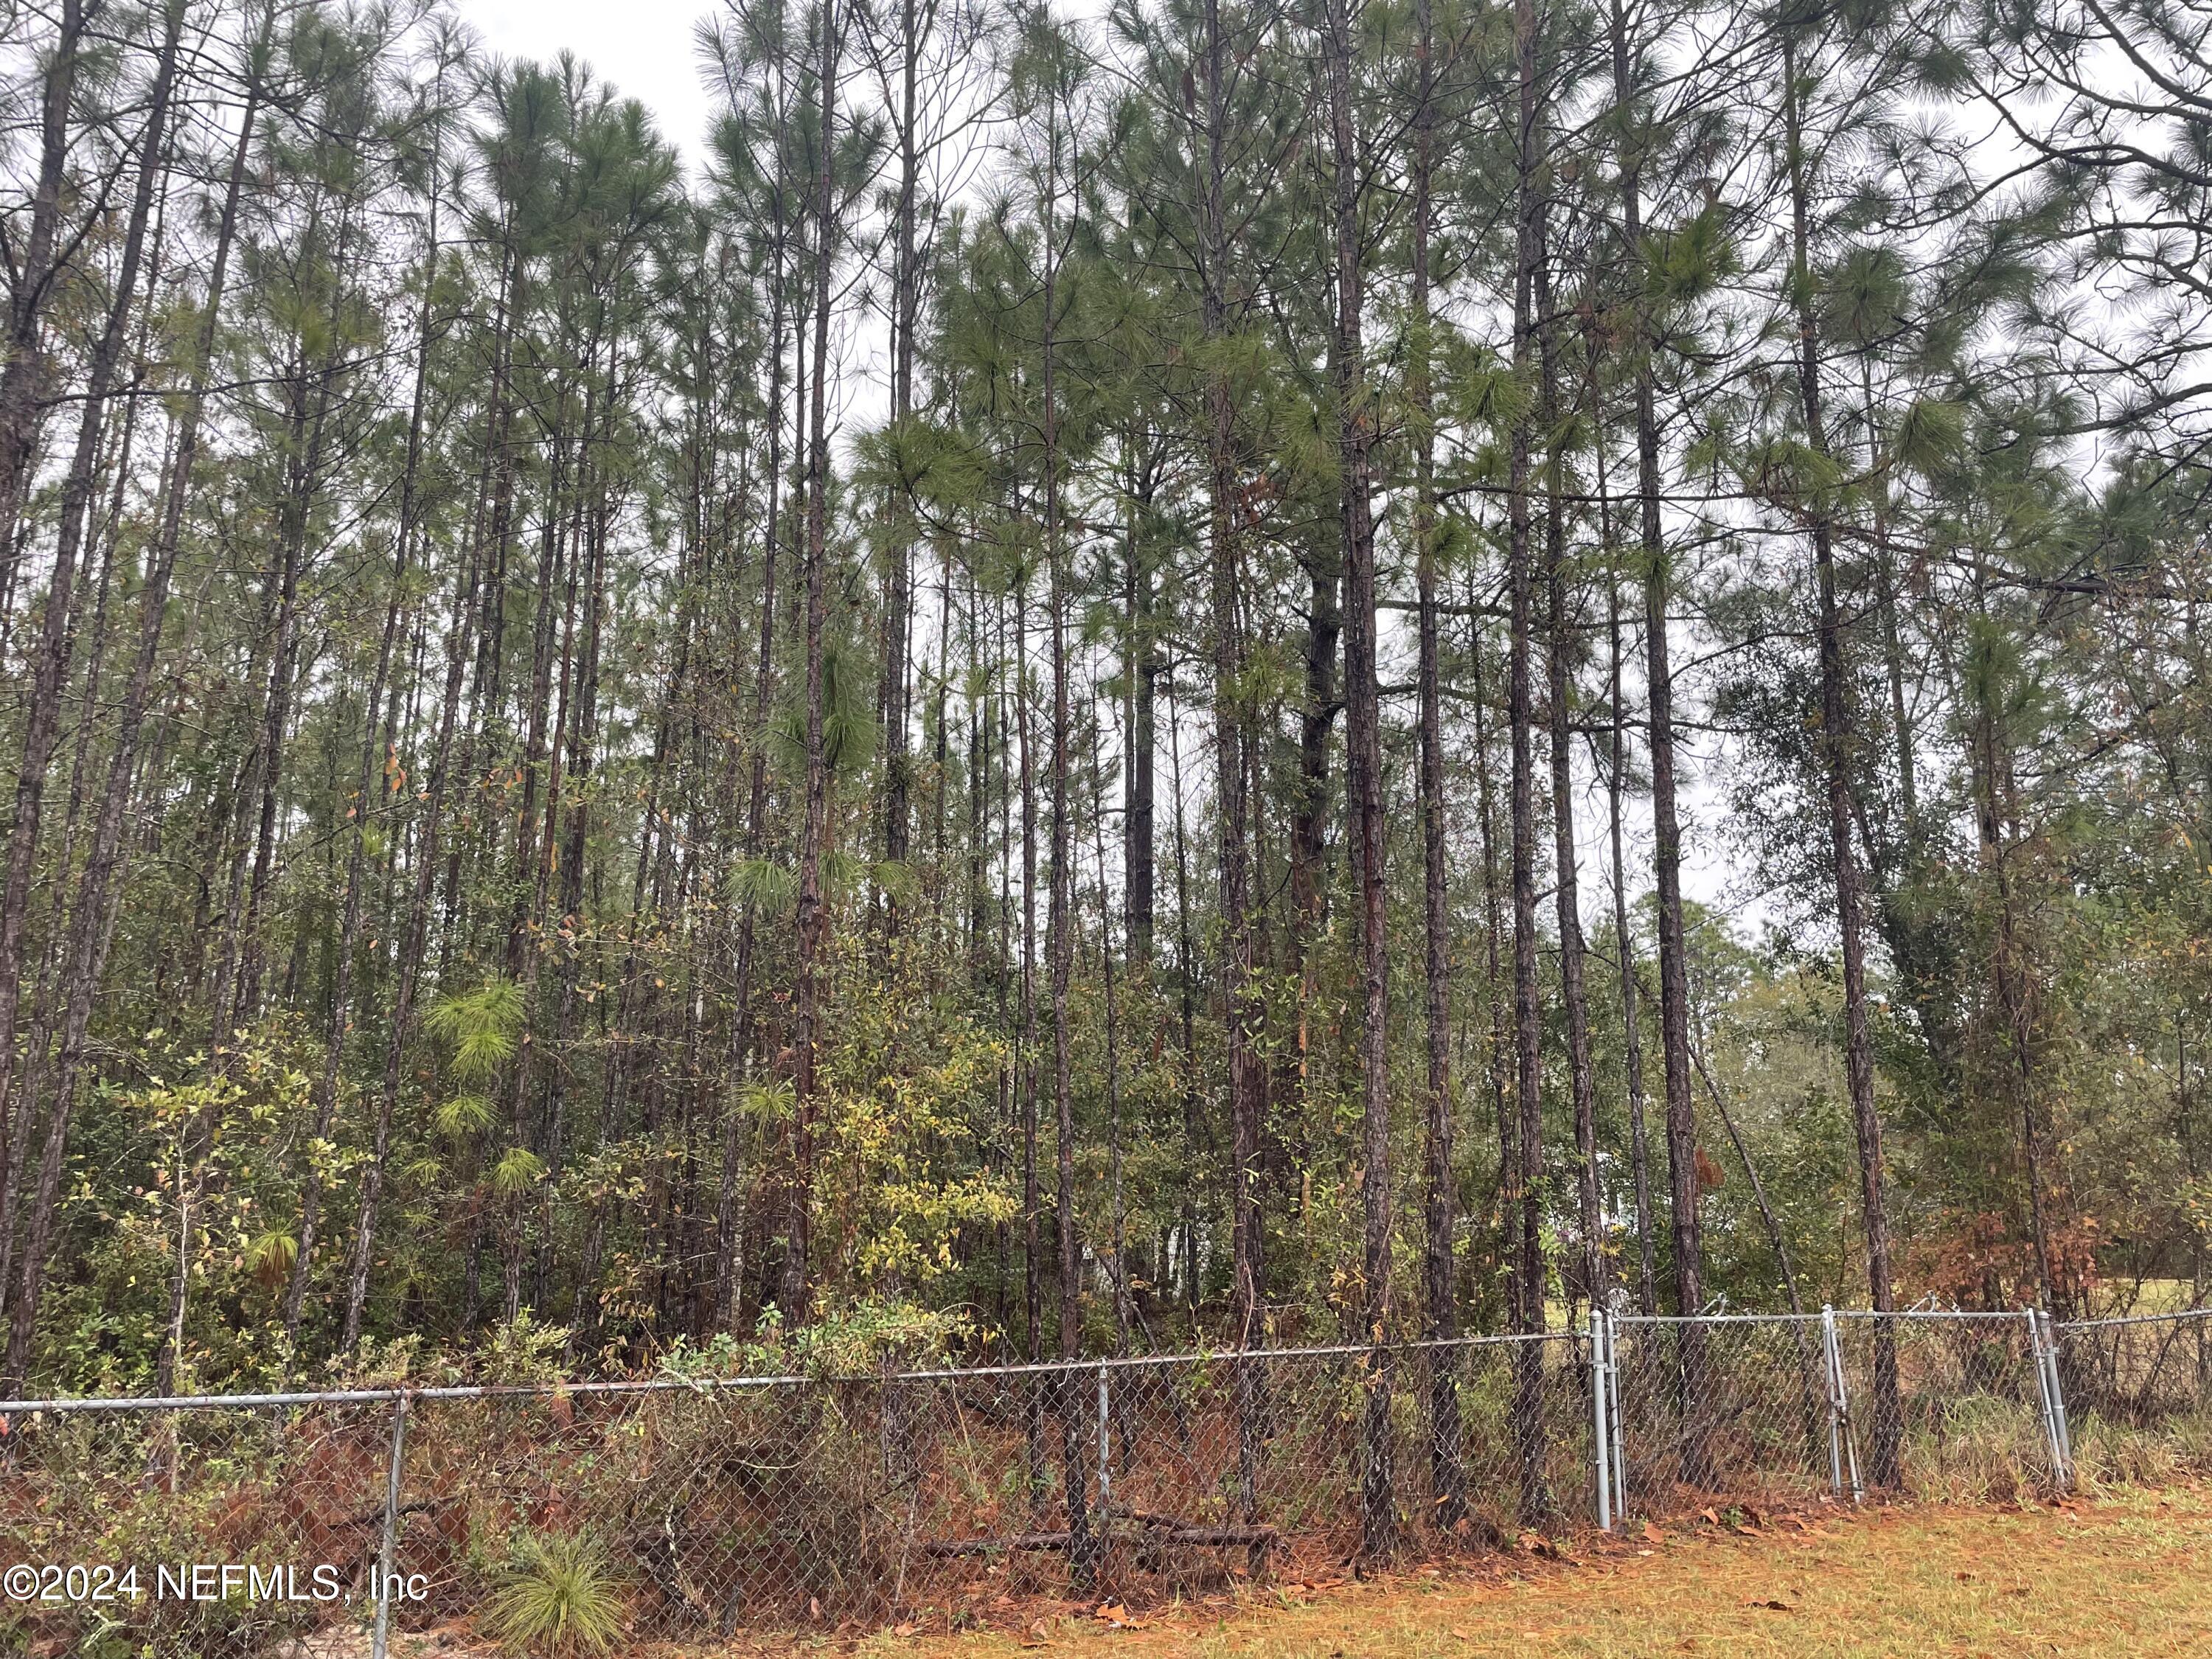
{"x":1190,"y":671}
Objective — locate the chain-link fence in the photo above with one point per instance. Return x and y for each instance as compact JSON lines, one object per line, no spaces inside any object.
{"x":1736,"y":1404}
{"x":2138,"y":1393}
{"x":240,"y":1526}
{"x":1775,"y":1407}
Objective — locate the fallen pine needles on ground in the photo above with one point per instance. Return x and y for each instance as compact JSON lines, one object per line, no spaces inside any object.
{"x":2119,"y":1578}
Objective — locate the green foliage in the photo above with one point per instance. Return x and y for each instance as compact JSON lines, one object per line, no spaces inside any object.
{"x":517,"y":1170}
{"x":480,"y":1025}
{"x":464,"y":1116}
{"x":436,"y":886}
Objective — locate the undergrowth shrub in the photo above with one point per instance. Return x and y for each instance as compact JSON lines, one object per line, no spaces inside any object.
{"x":559,"y":1599}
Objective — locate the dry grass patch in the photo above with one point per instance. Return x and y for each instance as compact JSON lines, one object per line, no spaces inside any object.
{"x":2122,"y":1577}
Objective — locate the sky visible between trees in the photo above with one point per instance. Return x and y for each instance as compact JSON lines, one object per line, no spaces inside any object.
{"x":1058,"y":695}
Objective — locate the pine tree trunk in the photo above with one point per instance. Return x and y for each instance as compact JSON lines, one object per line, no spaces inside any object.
{"x":23,"y":373}
{"x":340,"y":1021}
{"x":1060,"y":943}
{"x":1528,"y":1013}
{"x":815,"y":821}
{"x":1495,"y":989}
{"x":1581,"y":1087}
{"x":1242,"y":1013}
{"x":99,"y":881}
{"x":1836,"y":762}
{"x":1667,"y":835}
{"x":49,"y":675}
{"x":1447,"y":1471}
{"x":1631,"y":1034}
{"x":726,"y":1236}
{"x":1141,"y":668}
{"x":1363,"y":792}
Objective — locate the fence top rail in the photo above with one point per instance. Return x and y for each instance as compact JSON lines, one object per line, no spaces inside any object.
{"x":1718,"y":1319}
{"x":1869,"y":1313}
{"x":390,"y":1395}
{"x":645,"y":1385}
{"x":385,"y":1396}
{"x":1934,"y":1313}
{"x":1220,"y":1356}
{"x":2175,"y":1317}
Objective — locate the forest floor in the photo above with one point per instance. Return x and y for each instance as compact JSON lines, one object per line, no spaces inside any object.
{"x":2123,"y":1576}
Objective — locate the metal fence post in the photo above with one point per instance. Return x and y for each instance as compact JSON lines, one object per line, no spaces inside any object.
{"x":390,"y":1544}
{"x":2042,"y":1387}
{"x":2043,"y":1347}
{"x":1842,"y":1445}
{"x":1601,"y":1439}
{"x":2058,"y":1400}
{"x":1105,"y":1445}
{"x":1835,"y":1414}
{"x":1614,"y":1416}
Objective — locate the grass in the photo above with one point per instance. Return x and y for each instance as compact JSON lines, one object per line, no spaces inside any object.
{"x":2120,"y":1578}
{"x":559,"y":1600}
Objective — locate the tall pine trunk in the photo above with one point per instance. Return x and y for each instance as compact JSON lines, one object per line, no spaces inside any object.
{"x":1558,"y":643}
{"x":339,"y":1023}
{"x":1667,"y":834}
{"x":1440,"y":1300}
{"x":1362,"y":723}
{"x":1527,"y":1189}
{"x":1836,"y":765}
{"x":24,"y":372}
{"x":49,"y":675}
{"x":815,"y":820}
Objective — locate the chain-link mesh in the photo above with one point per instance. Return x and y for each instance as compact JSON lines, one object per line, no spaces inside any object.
{"x":1774,"y":1407}
{"x":118,"y":1525}
{"x":1725,"y":1405}
{"x":2140,"y":1390}
{"x":2147,"y":1371}
{"x":1948,"y":1405}
{"x":968,"y":1492}
{"x":963,"y":1497}
{"x":1526,"y":1438}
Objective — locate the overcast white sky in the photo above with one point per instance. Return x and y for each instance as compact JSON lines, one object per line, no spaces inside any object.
{"x":642,"y":46}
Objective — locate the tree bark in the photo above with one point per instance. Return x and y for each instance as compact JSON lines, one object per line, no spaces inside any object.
{"x":1667,"y":834}
{"x":1447,"y":1471}
{"x":340,"y":1021}
{"x":1647,"y":1275}
{"x":42,"y":719}
{"x":24,"y":375}
{"x":1528,"y":1013}
{"x":1836,"y":764}
{"x":1581,"y":1087}
{"x":814,"y":824}
{"x":1364,"y":790}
